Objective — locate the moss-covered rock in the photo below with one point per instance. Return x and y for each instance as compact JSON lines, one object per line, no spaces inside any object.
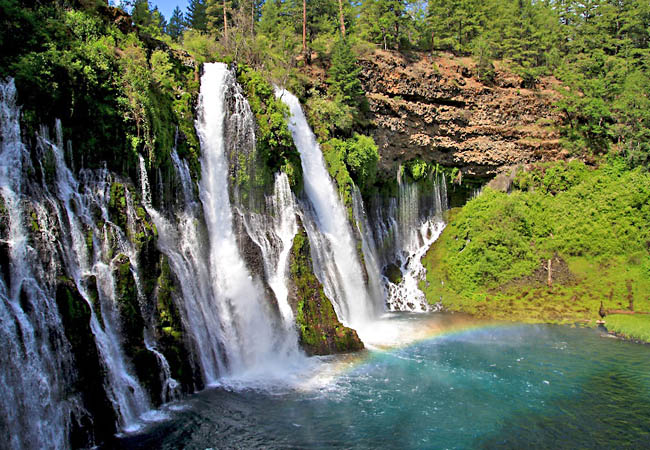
{"x":99,"y":423}
{"x":170,"y":333}
{"x":132,"y":325}
{"x":321,"y":333}
{"x":117,"y":204}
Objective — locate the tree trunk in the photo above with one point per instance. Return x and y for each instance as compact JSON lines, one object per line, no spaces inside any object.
{"x":225,"y":21}
{"x":341,"y":18}
{"x":550,"y":276}
{"x":304,"y":26}
{"x":252,"y":18}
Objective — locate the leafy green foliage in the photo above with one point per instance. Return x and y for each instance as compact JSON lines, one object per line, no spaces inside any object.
{"x":274,"y":141}
{"x":417,"y":169}
{"x":361,"y":157}
{"x":551,"y":177}
{"x":115,"y":95}
{"x":596,"y":220}
{"x":329,"y":117}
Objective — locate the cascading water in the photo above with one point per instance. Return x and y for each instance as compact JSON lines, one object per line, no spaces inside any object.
{"x":333,"y":247}
{"x":35,"y":360}
{"x":403,"y":231}
{"x":273,"y":232}
{"x":235,"y":332}
{"x":376,"y":281}
{"x":74,"y":204}
{"x":181,"y":240}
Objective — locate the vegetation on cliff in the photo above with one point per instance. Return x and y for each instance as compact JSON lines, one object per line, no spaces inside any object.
{"x":592,"y":224}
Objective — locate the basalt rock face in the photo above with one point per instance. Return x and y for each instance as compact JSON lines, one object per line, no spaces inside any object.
{"x":435,"y":108}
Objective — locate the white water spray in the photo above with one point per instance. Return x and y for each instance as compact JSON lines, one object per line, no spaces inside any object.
{"x":403,"y":232}
{"x":35,"y":358}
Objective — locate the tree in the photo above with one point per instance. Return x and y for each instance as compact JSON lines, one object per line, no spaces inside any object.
{"x":341,"y":18}
{"x":380,"y":21}
{"x":176,"y":25}
{"x":344,"y":74}
{"x":196,"y":15}
{"x":304,"y":26}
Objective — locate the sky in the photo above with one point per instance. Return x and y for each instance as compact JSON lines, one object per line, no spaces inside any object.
{"x":167,"y":6}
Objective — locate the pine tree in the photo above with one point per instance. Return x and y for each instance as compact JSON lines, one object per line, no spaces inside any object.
{"x":344,"y":74}
{"x":196,"y":16}
{"x":381,"y":21}
{"x":176,"y":24}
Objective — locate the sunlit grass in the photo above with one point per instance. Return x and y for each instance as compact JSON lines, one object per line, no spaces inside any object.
{"x":631,"y":326}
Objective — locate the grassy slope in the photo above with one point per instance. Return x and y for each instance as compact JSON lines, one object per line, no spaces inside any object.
{"x":490,"y":259}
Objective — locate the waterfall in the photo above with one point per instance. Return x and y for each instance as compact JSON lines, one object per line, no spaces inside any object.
{"x":336,"y":260}
{"x":35,"y":360}
{"x":182,"y":239}
{"x":75,"y":205}
{"x":273,"y":233}
{"x":403,"y":230}
{"x":236,"y":332}
{"x":170,"y":387}
{"x":376,"y":281}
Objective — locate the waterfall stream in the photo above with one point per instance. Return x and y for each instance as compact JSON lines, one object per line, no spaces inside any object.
{"x":237,"y":332}
{"x":403,"y":230}
{"x":336,"y":260}
{"x":228,"y":252}
{"x":75,"y":205}
{"x":35,"y":361}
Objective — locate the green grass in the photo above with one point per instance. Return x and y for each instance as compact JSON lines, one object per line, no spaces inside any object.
{"x":490,"y":260}
{"x":632,"y":327}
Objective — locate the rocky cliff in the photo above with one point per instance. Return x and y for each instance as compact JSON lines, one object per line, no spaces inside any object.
{"x":436,"y":108}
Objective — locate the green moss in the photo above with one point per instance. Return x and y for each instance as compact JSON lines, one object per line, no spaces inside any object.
{"x":117,"y":204}
{"x":34,"y":222}
{"x":170,"y":328}
{"x":321,"y":332}
{"x":275,"y":147}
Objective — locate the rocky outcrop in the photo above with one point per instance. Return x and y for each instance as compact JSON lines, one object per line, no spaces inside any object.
{"x":320,"y":331}
{"x":435,"y":108}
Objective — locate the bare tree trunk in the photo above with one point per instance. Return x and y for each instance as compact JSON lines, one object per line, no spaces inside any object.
{"x":225,"y":21}
{"x":550,"y":276}
{"x":341,"y":18}
{"x":252,"y":18}
{"x":304,"y":26}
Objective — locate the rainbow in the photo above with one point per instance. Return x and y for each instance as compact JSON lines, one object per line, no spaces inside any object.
{"x":408,"y":333}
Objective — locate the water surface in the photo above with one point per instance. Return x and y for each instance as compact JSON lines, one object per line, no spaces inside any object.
{"x":457,"y":384}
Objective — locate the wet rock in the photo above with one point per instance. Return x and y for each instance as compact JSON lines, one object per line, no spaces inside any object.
{"x":99,"y":422}
{"x":320,"y":331}
{"x":393,"y":273}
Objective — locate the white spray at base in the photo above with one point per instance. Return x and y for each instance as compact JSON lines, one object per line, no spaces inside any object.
{"x":333,"y":247}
